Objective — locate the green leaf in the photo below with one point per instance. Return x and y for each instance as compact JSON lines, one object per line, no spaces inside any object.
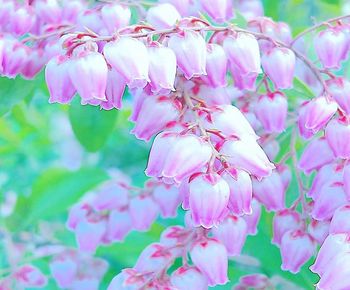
{"x":13,"y":91}
{"x":53,"y":193}
{"x":91,"y":126}
{"x":300,"y":89}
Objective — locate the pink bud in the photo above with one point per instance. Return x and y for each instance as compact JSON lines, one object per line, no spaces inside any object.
{"x":231,"y":122}
{"x":302,"y":115}
{"x":163,"y":16}
{"x":175,"y":157}
{"x":153,"y":258}
{"x":34,"y":64}
{"x":14,"y":58}
{"x":209,"y":195}
{"x":143,"y":211}
{"x":162,"y":68}
{"x":128,"y":279}
{"x":21,"y":21}
{"x":216,"y":66}
{"x":210,"y":257}
{"x":76,"y":215}
{"x":115,"y":16}
{"x":64,"y":271}
{"x":168,"y":199}
{"x":242,"y":50}
{"x":322,"y":177}
{"x":232,"y":232}
{"x":337,"y":135}
{"x":185,"y":276}
{"x":253,"y":219}
{"x":114,"y":90}
{"x":331,"y":197}
{"x":296,"y":249}
{"x":333,"y":246}
{"x":30,"y":277}
{"x":271,"y":192}
{"x":285,"y":173}
{"x":220,"y":10}
{"x":58,"y":81}
{"x":318,"y":230}
{"x":247,"y":155}
{"x":89,"y":235}
{"x":279,"y":65}
{"x":337,"y":275}
{"x":340,"y":221}
{"x":310,"y":161}
{"x":130,"y":58}
{"x":271,"y":110}
{"x":283,"y":222}
{"x":339,"y":89}
{"x":191,"y":52}
{"x":174,"y":236}
{"x":330,"y":46}
{"x":243,"y":81}
{"x":240,"y":192}
{"x":119,"y":224}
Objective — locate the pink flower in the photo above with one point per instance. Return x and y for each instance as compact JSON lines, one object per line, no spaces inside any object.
{"x":163,"y":16}
{"x":128,"y":279}
{"x":232,"y":232}
{"x":154,"y":115}
{"x":331,"y":197}
{"x":340,"y":221}
{"x":270,"y":191}
{"x":296,"y":249}
{"x":253,"y":219}
{"x":271,"y":110}
{"x":183,"y":6}
{"x":162,"y":68}
{"x":174,"y":157}
{"x":209,"y":195}
{"x":278,"y":64}
{"x":185,"y":276}
{"x":115,"y":16}
{"x":89,"y":235}
{"x":30,"y":276}
{"x":114,"y":90}
{"x":191,"y":53}
{"x":220,"y":10}
{"x":243,"y":81}
{"x":339,"y":89}
{"x":247,"y":155}
{"x":143,"y":211}
{"x":119,"y":224}
{"x":318,"y":230}
{"x":129,"y":57}
{"x":15,"y":56}
{"x":21,"y":20}
{"x":284,"y":221}
{"x":346,"y":181}
{"x":210,"y":257}
{"x":242,"y":50}
{"x":337,"y":135}
{"x":85,"y":283}
{"x":257,"y":281}
{"x":88,"y":73}
{"x":240,"y":192}
{"x":60,"y":86}
{"x":48,"y":10}
{"x":64,"y":271}
{"x":330,"y":46}
{"x":168,"y":199}
{"x":310,"y":161}
{"x":216,"y":66}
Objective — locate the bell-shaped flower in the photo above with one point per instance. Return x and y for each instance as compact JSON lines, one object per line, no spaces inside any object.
{"x":168,"y":198}
{"x":183,"y":6}
{"x":48,"y":11}
{"x":185,"y":276}
{"x":58,"y":81}
{"x":232,"y":232}
{"x":339,"y":89}
{"x":270,"y":191}
{"x":243,"y":51}
{"x":247,"y":155}
{"x":210,"y":257}
{"x":115,"y":16}
{"x":279,"y":64}
{"x":241,"y":192}
{"x":208,"y":199}
{"x":191,"y":52}
{"x":174,"y":236}
{"x":337,"y":135}
{"x":88,"y":73}
{"x":29,"y":276}
{"x":318,"y":230}
{"x":21,"y":21}
{"x":143,"y":211}
{"x":119,"y":224}
{"x":89,"y":235}
{"x":243,"y":81}
{"x":284,"y":221}
{"x":334,"y":245}
{"x":310,"y":161}
{"x":130,"y":58}
{"x":174,"y":157}
{"x":64,"y":271}
{"x":114,"y":90}
{"x":297,"y":248}
{"x":216,"y":66}
{"x":271,"y":110}
{"x":162,"y":68}
{"x":220,"y":10}
{"x":331,"y":197}
{"x":331,"y":45}
{"x":163,"y":16}
{"x":346,"y":180}
{"x":15,"y":56}
{"x":253,"y":219}
{"x":128,"y":279}
{"x":341,"y":221}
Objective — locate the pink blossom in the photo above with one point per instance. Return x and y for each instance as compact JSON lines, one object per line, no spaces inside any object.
{"x":216,"y":66}
{"x":64,"y":271}
{"x":48,"y":10}
{"x":253,"y":219}
{"x":115,"y":16}
{"x":337,"y":135}
{"x":119,"y":224}
{"x":85,"y":283}
{"x":163,"y":16}
{"x":210,"y":257}
{"x":114,"y":90}
{"x":143,"y":211}
{"x":191,"y":53}
{"x":283,"y":222}
{"x":220,"y":10}
{"x":89,"y":235}
{"x":184,"y":277}
{"x":15,"y":55}
{"x":30,"y":276}
{"x":340,"y":221}
{"x":339,"y":89}
{"x":318,"y":230}
{"x":21,"y":20}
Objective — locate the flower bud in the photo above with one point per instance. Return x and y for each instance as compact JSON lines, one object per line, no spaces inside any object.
{"x":168,"y":199}
{"x":253,"y":219}
{"x":89,"y":235}
{"x":114,"y":90}
{"x":220,"y":10}
{"x":337,"y":135}
{"x":64,"y":271}
{"x":143,"y":211}
{"x":163,"y":16}
{"x":340,"y":221}
{"x":216,"y":66}
{"x":48,"y":11}
{"x":210,"y":257}
{"x":15,"y":56}
{"x":29,"y":276}
{"x":115,"y":16}
{"x":284,"y":221}
{"x":119,"y":224}
{"x":339,"y":89}
{"x":318,"y":230}
{"x":185,"y":276}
